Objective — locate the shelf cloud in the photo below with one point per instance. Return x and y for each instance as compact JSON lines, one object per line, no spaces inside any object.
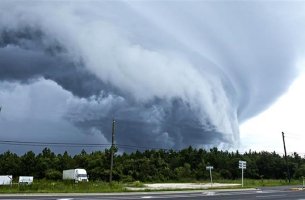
{"x":172,"y":74}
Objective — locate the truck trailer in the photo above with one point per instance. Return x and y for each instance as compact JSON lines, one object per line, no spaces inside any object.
{"x":27,"y":180}
{"x":6,"y":179}
{"x":78,"y":175}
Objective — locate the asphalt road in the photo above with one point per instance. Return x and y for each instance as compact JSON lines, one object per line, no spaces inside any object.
{"x":270,"y":193}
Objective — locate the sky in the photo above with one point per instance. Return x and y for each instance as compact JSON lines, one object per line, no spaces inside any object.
{"x":285,"y":115}
{"x":171,"y":73}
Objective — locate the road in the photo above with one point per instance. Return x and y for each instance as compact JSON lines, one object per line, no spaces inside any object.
{"x":270,"y":193}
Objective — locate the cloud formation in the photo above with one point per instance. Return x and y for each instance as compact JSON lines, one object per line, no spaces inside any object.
{"x":173,"y":74}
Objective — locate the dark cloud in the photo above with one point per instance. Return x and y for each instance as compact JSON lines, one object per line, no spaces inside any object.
{"x":171,"y":74}
{"x":20,"y":63}
{"x":159,"y":125}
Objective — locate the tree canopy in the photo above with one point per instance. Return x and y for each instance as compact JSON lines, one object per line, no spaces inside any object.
{"x":153,"y":165}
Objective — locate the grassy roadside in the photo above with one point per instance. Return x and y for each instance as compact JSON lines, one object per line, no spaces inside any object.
{"x":261,"y":182}
{"x":44,"y":186}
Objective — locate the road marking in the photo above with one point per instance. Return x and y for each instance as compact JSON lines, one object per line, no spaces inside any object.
{"x":209,"y":193}
{"x":235,"y":193}
{"x":65,"y":199}
{"x":272,"y":195}
{"x":166,"y":196}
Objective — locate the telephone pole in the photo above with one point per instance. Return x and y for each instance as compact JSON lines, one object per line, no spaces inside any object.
{"x":112,"y":151}
{"x":288,"y":173}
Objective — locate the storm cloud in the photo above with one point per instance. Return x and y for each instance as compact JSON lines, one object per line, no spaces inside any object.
{"x":171,"y":73}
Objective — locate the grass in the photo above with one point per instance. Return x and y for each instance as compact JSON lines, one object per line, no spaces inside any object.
{"x":137,"y":184}
{"x":261,"y":182}
{"x":45,"y":186}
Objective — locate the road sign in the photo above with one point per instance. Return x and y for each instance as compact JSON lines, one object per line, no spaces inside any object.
{"x":209,"y":167}
{"x":242,"y":165}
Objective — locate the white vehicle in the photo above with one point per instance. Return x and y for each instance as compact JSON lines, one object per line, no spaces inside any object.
{"x":6,"y":179}
{"x":78,"y":175}
{"x":26,"y":180}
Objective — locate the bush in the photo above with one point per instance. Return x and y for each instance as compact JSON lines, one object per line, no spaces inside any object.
{"x":300,"y":172}
{"x":53,"y":174}
{"x":226,"y":174}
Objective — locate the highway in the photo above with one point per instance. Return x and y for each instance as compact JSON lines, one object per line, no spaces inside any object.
{"x":270,"y":193}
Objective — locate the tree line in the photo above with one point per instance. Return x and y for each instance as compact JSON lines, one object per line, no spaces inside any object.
{"x":153,"y":165}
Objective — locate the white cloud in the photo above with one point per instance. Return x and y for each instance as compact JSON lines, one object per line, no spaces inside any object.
{"x":287,"y":115}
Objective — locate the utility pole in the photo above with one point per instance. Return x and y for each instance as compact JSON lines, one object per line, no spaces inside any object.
{"x":288,"y":173}
{"x":112,"y":151}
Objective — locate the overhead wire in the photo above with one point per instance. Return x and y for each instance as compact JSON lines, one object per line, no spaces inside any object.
{"x":69,"y":144}
{"x":30,"y":143}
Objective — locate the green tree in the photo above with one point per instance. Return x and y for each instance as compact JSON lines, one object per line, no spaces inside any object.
{"x":28,"y":164}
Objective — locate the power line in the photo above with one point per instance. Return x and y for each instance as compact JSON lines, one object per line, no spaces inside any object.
{"x":28,"y":143}
{"x":294,"y":134}
{"x":125,"y":146}
{"x":40,"y":145}
{"x":141,"y":147}
{"x":58,"y":144}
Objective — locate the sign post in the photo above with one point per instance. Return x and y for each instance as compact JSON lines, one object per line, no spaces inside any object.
{"x":210,"y":169}
{"x":242,"y":165}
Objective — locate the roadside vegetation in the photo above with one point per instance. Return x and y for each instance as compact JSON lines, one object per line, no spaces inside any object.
{"x":254,"y":183}
{"x":150,"y":166}
{"x":47,"y":186}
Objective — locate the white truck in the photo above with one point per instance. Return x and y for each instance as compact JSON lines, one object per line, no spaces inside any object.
{"x":6,"y":179}
{"x":78,"y":175}
{"x":27,"y":180}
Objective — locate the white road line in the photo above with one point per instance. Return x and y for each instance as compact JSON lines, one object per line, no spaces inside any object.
{"x":65,"y":199}
{"x":272,"y":195}
{"x":173,"y":196}
{"x":209,"y":193}
{"x":233,"y":193}
{"x":146,"y":197}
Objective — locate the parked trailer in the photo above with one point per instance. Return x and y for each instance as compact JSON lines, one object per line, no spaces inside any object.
{"x":78,"y":175}
{"x":27,"y":180}
{"x":6,"y":179}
